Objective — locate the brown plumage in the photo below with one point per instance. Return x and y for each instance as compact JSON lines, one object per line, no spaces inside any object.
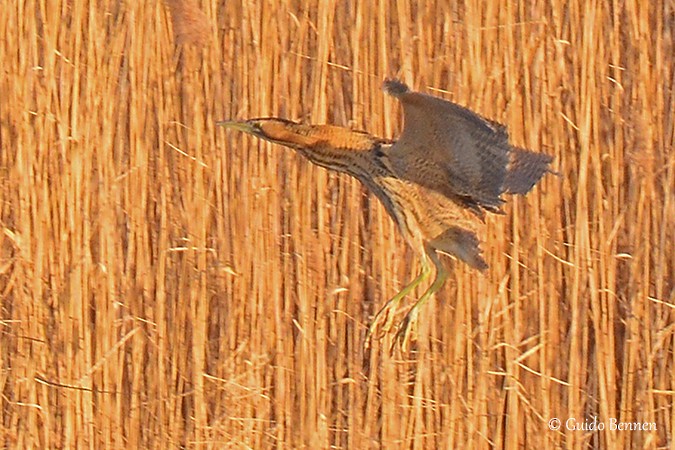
{"x":467,"y":157}
{"x":447,"y":168}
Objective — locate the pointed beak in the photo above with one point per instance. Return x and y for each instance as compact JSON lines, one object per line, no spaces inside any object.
{"x":238,"y":125}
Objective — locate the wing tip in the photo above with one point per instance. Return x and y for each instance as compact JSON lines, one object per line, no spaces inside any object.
{"x":395,"y":87}
{"x":525,"y":169}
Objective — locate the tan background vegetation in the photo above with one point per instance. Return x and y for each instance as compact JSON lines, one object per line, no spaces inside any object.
{"x":165,"y":283}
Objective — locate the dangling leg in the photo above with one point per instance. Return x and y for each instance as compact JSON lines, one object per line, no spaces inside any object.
{"x":387,"y":311}
{"x":410,"y":320}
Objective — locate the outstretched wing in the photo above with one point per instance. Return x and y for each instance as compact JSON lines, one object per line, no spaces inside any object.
{"x":525,"y":169}
{"x":455,"y":151}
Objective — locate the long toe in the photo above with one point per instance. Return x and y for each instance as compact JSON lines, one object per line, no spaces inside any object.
{"x":378,"y":329}
{"x":406,"y":333}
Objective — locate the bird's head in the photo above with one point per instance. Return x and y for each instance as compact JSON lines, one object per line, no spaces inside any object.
{"x":306,"y":138}
{"x":272,"y":129}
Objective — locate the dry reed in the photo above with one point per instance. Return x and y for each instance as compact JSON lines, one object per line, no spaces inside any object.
{"x":190,"y":24}
{"x":166,"y":284}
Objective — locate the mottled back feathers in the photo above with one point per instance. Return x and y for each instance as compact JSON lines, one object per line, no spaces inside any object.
{"x":459,"y":153}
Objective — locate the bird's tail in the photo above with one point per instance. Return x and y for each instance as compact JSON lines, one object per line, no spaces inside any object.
{"x":462,"y":244}
{"x":525,"y":169}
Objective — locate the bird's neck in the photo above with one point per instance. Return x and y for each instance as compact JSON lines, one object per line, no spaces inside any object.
{"x":346,"y":160}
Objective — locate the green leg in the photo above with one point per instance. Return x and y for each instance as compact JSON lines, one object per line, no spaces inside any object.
{"x":404,"y":331}
{"x":386,"y":311}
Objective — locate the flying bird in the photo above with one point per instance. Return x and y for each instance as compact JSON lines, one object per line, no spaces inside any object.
{"x":447,"y":169}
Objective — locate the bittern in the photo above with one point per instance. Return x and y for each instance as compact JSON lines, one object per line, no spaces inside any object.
{"x":448,"y":167}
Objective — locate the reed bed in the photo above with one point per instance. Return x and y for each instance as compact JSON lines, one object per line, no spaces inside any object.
{"x":167,"y":284}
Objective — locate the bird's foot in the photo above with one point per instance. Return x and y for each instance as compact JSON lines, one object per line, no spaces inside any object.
{"x":407,"y":331}
{"x":377,"y":328}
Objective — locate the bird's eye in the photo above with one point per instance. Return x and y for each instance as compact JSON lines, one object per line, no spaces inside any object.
{"x":379,"y":153}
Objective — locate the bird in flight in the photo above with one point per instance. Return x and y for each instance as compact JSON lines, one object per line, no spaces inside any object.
{"x":447,"y":169}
